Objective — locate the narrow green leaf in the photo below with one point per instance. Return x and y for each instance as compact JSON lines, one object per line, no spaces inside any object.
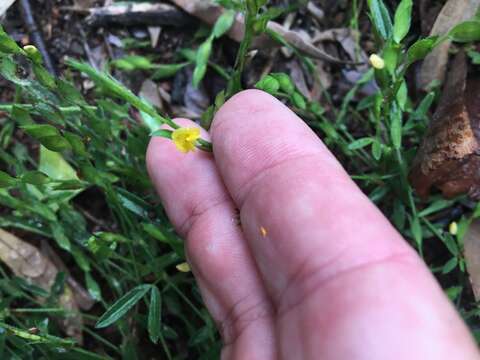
{"x":467,"y":31}
{"x":402,"y":22}
{"x":450,"y":265}
{"x":396,"y":129}
{"x":92,"y":287}
{"x":38,"y":131}
{"x":6,"y":180}
{"x":416,"y":230}
{"x":133,"y":62}
{"x":55,"y":166}
{"x":162,"y":133}
{"x":167,"y":70}
{"x":422,"y":48}
{"x":122,"y":306}
{"x":360,"y":143}
{"x":224,"y":23}
{"x":380,"y":18}
{"x":154,"y":315}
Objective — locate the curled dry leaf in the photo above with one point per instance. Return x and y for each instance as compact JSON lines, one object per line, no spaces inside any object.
{"x":472,"y":256}
{"x":449,"y":156}
{"x":4,"y":5}
{"x":453,"y":12}
{"x":26,"y":261}
{"x":208,"y":12}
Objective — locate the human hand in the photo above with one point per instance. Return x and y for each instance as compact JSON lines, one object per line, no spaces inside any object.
{"x":314,"y":270}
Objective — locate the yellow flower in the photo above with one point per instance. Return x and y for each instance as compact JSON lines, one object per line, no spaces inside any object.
{"x":453,"y":228}
{"x":185,"y":138}
{"x":377,"y":62}
{"x":183,"y":267}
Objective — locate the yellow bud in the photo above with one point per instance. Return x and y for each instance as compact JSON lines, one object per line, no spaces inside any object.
{"x":183,"y":267}
{"x":453,"y":228}
{"x":33,"y":53}
{"x":377,"y":62}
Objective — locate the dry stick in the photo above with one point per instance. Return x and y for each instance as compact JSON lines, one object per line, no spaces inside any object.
{"x":36,"y":35}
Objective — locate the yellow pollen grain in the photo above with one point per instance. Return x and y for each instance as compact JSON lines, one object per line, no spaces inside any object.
{"x":263,"y":231}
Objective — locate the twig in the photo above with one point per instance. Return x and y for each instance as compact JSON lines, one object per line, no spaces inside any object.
{"x":128,"y":14}
{"x":36,"y":35}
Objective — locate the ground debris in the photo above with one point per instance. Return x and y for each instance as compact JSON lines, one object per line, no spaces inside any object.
{"x":434,"y":65}
{"x":27,"y":262}
{"x":448,"y":158}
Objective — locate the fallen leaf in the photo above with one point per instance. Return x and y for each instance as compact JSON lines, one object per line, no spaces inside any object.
{"x":452,"y":13}
{"x":209,"y":13}
{"x":471,"y":250}
{"x":4,"y":5}
{"x":26,"y":261}
{"x":448,"y":158}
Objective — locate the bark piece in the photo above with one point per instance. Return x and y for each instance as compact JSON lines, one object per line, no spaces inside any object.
{"x":452,"y":13}
{"x":472,"y":256}
{"x":449,"y":157}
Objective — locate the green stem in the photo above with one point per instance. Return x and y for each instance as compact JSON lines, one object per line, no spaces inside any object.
{"x":235,"y":83}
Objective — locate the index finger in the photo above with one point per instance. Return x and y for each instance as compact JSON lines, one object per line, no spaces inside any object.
{"x":342,"y":280}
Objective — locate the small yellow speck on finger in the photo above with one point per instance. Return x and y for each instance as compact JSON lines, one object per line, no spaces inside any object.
{"x":183,"y":267}
{"x":263,"y":231}
{"x":453,"y":228}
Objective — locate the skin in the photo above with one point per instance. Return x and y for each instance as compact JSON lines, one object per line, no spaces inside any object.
{"x":314,"y":271}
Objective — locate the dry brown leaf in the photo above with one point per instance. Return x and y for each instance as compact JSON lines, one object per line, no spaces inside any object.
{"x":453,"y":12}
{"x":4,"y":5}
{"x":472,"y":256}
{"x":448,"y":158}
{"x":209,"y":13}
{"x":26,"y":261}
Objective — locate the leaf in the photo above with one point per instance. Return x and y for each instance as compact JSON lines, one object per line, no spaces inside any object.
{"x":360,"y":143}
{"x":122,"y":306}
{"x":467,"y":31}
{"x":154,"y":315}
{"x":380,"y":18}
{"x":6,"y":180}
{"x":163,"y":133}
{"x":7,"y":44}
{"x":167,"y":70}
{"x":39,"y":131}
{"x":421,"y":48}
{"x":92,"y":287}
{"x":402,"y":22}
{"x":450,"y":265}
{"x":224,"y":23}
{"x":203,"y":54}
{"x":416,"y":230}
{"x":133,"y":62}
{"x":55,"y":166}
{"x":396,"y":129}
